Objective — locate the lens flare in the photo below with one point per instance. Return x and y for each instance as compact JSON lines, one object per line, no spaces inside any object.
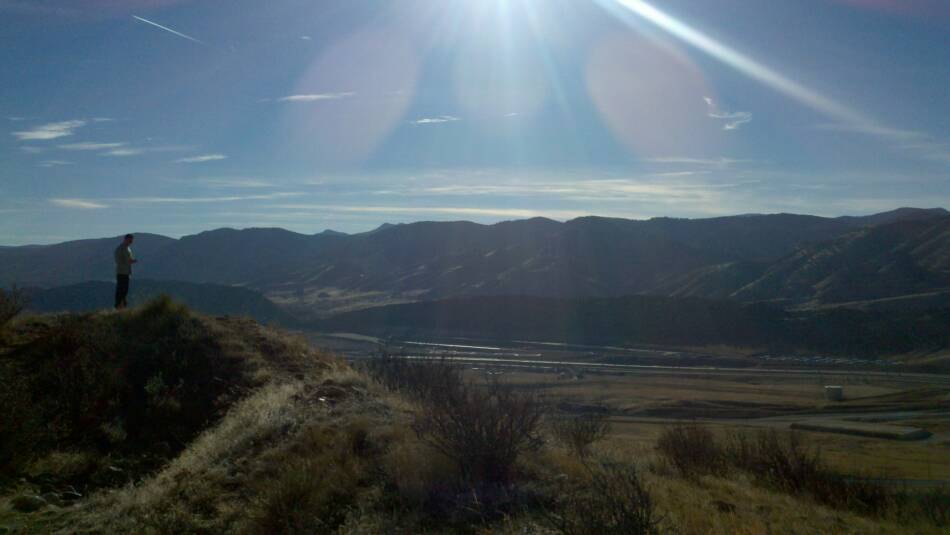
{"x":650,"y":96}
{"x":352,"y":96}
{"x":741,"y":62}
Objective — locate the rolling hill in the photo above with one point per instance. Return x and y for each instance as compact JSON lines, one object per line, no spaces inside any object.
{"x":206,"y":298}
{"x":904,"y":258}
{"x":747,"y":257}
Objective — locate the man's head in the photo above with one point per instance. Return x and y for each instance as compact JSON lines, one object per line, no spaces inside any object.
{"x":128,"y":239}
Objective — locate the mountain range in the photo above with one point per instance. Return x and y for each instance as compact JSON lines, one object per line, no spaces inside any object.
{"x":787,"y":258}
{"x":211,"y":299}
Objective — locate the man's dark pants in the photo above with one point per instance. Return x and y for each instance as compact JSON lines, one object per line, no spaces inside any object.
{"x":121,"y":290}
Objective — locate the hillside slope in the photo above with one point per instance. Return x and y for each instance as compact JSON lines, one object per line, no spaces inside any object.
{"x":165,"y":422}
{"x":211,"y":299}
{"x":679,"y":322}
{"x":890,"y":260}
{"x":332,"y":272}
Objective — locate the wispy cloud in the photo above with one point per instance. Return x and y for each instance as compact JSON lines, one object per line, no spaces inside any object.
{"x":95,"y":204}
{"x":54,"y":163}
{"x":686,"y":160}
{"x":918,"y":143}
{"x":81,"y":204}
{"x":437,"y":120}
{"x":440,"y":210}
{"x":202,"y":158}
{"x":873,"y":130}
{"x":599,"y":190}
{"x":228,"y":182}
{"x":313,"y":97}
{"x":167,"y":29}
{"x":91,"y":146}
{"x":123,"y":152}
{"x":102,"y":119}
{"x":305,"y":37}
{"x":49,"y":131}
{"x":194,"y":200}
{"x":732,"y":120}
{"x":32,"y":150}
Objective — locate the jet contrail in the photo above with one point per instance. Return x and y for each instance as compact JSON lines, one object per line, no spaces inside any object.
{"x":179,"y":34}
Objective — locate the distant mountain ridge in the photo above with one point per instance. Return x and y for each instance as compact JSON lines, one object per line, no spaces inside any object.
{"x":895,"y":259}
{"x":207,"y":298}
{"x":586,"y":257}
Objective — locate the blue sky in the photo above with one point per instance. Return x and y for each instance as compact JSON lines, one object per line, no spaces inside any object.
{"x":176,"y":116}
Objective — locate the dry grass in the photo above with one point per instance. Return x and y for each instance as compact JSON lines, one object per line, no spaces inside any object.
{"x":313,"y":446}
{"x":578,"y":433}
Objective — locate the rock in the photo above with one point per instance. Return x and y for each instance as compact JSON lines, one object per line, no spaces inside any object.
{"x":70,"y":496}
{"x":724,"y":507}
{"x":27,"y":503}
{"x":53,"y":499}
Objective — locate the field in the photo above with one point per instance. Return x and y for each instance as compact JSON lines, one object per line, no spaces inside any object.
{"x":641,"y":406}
{"x":658,"y":388}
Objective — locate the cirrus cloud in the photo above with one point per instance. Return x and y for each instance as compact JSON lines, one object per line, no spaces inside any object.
{"x":81,"y":204}
{"x":49,"y":131}
{"x":202,"y":158}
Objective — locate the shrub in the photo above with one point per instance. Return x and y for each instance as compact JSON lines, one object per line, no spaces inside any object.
{"x":483,"y":428}
{"x":614,"y":502}
{"x":146,"y":380}
{"x":579,"y":433}
{"x":691,"y":451}
{"x":418,"y":380}
{"x":932,"y":505}
{"x":317,"y":479}
{"x":785,"y":463}
{"x":308,"y":496}
{"x":12,"y":302}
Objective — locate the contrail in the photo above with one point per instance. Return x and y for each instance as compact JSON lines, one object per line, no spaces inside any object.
{"x":179,"y":34}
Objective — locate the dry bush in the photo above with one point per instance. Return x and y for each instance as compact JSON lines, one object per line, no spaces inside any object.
{"x":310,"y":495}
{"x":785,"y":463}
{"x":614,"y":501}
{"x":138,"y":385}
{"x":579,"y":433}
{"x":417,"y":380}
{"x":778,"y":461}
{"x":932,"y":505}
{"x":483,"y":428}
{"x":12,"y":302}
{"x":691,"y":451}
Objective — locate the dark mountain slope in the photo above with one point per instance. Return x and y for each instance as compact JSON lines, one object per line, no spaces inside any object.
{"x":900,"y":214}
{"x":73,"y":261}
{"x":207,"y":298}
{"x":902,"y":258}
{"x":655,"y":320}
{"x":589,"y":256}
{"x":232,"y":256}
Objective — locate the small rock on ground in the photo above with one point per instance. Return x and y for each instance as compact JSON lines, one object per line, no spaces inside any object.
{"x":28,"y":504}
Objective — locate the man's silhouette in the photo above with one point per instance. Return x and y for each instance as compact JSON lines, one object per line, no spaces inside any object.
{"x":123,"y":270}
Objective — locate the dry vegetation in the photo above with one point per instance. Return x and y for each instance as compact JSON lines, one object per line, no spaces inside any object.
{"x":298,"y":442}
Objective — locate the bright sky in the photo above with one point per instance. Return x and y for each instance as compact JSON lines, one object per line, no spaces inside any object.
{"x":177,"y":116}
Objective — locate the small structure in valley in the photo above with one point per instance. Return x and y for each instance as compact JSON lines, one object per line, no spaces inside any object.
{"x":834,"y":393}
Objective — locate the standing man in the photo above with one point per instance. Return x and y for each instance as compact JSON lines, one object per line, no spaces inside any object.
{"x":123,"y":270}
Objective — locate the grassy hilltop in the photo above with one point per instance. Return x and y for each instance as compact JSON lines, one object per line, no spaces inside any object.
{"x":161,"y":420}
